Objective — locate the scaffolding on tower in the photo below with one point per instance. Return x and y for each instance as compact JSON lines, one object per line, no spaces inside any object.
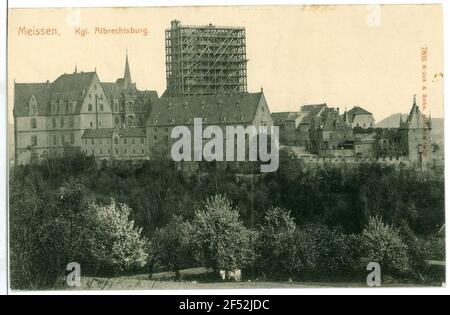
{"x":205,"y":60}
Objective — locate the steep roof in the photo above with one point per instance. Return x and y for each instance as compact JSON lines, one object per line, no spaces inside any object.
{"x":285,"y":116}
{"x":311,"y":111}
{"x":66,"y":87}
{"x":355,"y":111}
{"x":22,"y":96}
{"x":237,"y":108}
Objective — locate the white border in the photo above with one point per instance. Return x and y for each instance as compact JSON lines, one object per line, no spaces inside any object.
{"x":141,"y":3}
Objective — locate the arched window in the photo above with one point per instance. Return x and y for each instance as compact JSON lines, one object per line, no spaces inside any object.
{"x":90,"y":108}
{"x":116,"y":140}
{"x":101,"y":107}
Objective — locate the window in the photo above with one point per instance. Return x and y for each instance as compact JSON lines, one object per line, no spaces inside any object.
{"x":90,"y":108}
{"x":72,"y":138}
{"x":63,"y":140}
{"x":54,"y":122}
{"x":142,"y":140}
{"x":155,"y":138}
{"x":143,"y":151}
{"x":33,"y":123}
{"x":71,"y":122}
{"x":91,"y":124}
{"x":85,"y":141}
{"x":124,"y":140}
{"x":92,"y":141}
{"x":101,"y":107}
{"x":62,"y":122}
{"x":54,"y":140}
{"x":116,"y":141}
{"x":101,"y":151}
{"x":90,"y":96}
{"x":155,"y":129}
{"x":132,"y":141}
{"x":100,"y":141}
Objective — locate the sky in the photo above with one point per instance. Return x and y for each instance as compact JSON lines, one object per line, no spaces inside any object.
{"x":370,"y":56}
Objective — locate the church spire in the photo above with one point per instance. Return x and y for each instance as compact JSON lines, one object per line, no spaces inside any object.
{"x":127,"y":74}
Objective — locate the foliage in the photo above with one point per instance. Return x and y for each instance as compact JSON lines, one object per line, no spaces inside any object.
{"x":170,"y":246}
{"x":50,"y":230}
{"x":218,"y":237}
{"x":383,"y":244}
{"x":277,"y":244}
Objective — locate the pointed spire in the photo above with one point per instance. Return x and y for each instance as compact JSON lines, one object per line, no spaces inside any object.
{"x":415,"y":100}
{"x":127,"y":74}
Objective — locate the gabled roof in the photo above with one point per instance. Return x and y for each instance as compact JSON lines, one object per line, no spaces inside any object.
{"x":355,"y":111}
{"x":311,"y":111}
{"x":285,"y":116}
{"x":22,"y":96}
{"x":66,"y":87}
{"x":237,"y":108}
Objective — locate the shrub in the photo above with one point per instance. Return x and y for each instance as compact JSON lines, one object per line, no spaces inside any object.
{"x":383,"y":244}
{"x":322,"y":249}
{"x":170,"y":246}
{"x":277,"y":244}
{"x":218,"y":237}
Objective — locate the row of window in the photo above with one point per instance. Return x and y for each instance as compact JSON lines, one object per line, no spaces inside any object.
{"x":34,"y":139}
{"x":90,"y":107}
{"x":116,"y":141}
{"x":62,"y":122}
{"x":100,"y":151}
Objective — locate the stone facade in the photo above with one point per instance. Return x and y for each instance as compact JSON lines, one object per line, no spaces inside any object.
{"x":51,"y":118}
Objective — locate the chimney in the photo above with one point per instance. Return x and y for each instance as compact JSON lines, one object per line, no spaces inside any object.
{"x":48,"y":84}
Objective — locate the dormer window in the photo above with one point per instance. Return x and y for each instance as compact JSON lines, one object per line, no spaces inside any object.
{"x":33,"y":106}
{"x":169,"y":105}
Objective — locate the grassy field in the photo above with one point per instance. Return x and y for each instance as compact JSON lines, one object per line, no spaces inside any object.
{"x":164,"y":281}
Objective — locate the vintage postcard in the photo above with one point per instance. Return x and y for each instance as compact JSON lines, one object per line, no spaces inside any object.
{"x":234,"y":147}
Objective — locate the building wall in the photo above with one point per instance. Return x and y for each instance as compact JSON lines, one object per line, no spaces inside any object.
{"x":363,"y":121}
{"x":100,"y":115}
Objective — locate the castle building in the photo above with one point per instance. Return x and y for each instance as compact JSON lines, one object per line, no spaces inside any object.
{"x":415,"y":133}
{"x":130,"y":107}
{"x":244,"y":109}
{"x":50,"y":119}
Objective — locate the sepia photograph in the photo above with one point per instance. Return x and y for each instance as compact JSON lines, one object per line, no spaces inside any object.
{"x":226,"y":147}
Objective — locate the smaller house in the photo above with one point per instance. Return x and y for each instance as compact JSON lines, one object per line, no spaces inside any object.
{"x":115,"y":143}
{"x":359,"y":117}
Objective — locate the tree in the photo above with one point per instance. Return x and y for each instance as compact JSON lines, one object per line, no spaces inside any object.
{"x":118,"y":246}
{"x":218,"y":237}
{"x":382,"y":244}
{"x":170,"y":246}
{"x":277,"y":244}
